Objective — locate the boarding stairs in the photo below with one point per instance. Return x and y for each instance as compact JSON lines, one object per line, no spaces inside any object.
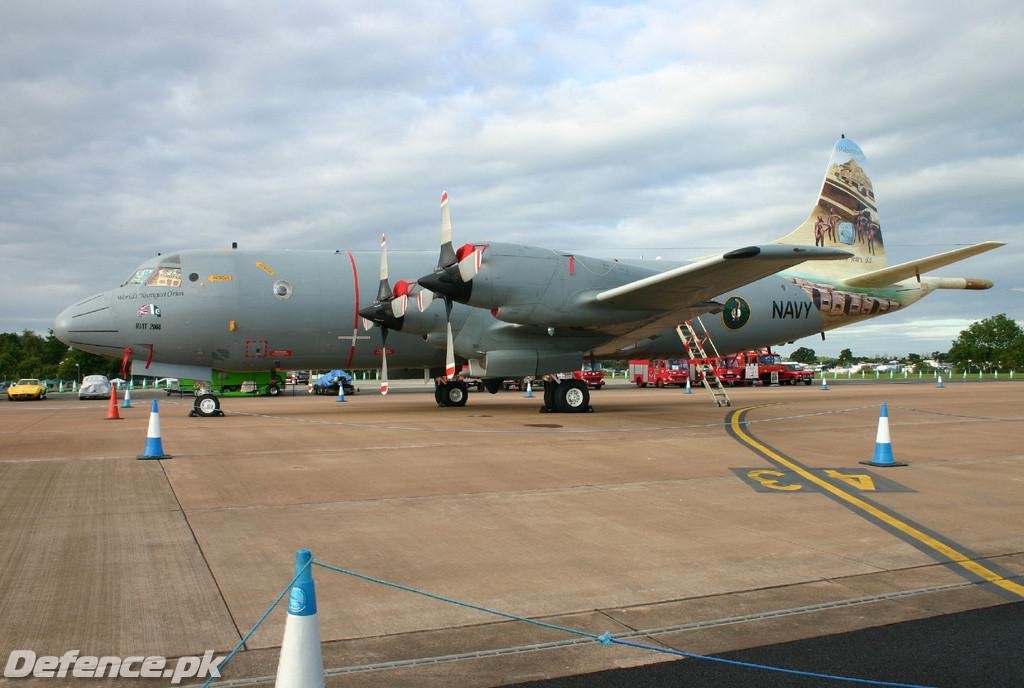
{"x":693,"y":343}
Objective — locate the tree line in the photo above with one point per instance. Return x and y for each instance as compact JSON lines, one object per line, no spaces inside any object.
{"x":29,"y":355}
{"x":995,"y":343}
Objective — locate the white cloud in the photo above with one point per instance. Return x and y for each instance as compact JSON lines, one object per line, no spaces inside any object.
{"x":682,"y":127}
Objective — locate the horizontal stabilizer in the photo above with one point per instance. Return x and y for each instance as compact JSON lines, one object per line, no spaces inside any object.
{"x":700,"y":281}
{"x":914,"y":268}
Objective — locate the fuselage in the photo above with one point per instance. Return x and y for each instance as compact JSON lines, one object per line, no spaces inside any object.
{"x":256,"y":310}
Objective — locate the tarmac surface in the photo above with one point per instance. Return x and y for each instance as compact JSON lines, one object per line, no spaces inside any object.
{"x":659,"y":519}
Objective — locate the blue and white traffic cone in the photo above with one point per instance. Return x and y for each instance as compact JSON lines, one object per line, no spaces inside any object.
{"x":939,"y":383}
{"x":824,"y":382}
{"x":301,"y":664}
{"x":883,"y":443}
{"x":529,"y":390}
{"x":341,"y":392}
{"x":154,"y":445}
{"x":127,"y":397}
{"x":689,"y":390}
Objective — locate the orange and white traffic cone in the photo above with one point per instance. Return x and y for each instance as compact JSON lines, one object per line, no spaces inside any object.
{"x":112,"y":413}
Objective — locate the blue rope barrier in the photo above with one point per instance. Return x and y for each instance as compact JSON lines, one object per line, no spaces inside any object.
{"x":258,"y":623}
{"x":607,"y":638}
{"x":467,"y":605}
{"x":763,"y":667}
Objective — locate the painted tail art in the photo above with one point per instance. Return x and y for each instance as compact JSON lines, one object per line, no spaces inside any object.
{"x":846,"y":216}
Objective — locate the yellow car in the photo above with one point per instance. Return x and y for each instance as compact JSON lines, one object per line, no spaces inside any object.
{"x":29,"y":388}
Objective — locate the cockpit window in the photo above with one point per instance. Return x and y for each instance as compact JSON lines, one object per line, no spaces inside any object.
{"x":140,"y":276}
{"x":165,"y":276}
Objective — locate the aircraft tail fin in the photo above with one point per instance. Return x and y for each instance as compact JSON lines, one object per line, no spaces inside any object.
{"x":845,"y":216}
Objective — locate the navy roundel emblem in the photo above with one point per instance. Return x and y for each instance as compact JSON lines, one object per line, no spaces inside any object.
{"x":736,"y":313}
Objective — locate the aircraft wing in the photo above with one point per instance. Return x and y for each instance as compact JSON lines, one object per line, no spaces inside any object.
{"x":914,"y":268}
{"x":690,"y":288}
{"x":697,"y":282}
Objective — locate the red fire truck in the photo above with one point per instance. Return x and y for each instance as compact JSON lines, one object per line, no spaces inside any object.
{"x":593,"y":378}
{"x":795,"y":374}
{"x":659,"y":372}
{"x":748,"y":367}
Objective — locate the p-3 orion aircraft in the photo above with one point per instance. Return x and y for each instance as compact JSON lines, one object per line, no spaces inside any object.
{"x":508,"y":310}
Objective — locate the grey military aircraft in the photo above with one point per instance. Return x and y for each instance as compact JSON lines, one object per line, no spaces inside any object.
{"x":508,"y":310}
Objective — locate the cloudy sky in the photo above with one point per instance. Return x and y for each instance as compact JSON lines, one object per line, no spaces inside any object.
{"x":670,"y":129}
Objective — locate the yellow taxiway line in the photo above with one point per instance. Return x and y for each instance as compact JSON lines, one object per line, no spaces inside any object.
{"x":947,"y":551}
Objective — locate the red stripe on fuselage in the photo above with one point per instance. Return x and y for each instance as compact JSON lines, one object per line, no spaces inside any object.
{"x":355,"y":314}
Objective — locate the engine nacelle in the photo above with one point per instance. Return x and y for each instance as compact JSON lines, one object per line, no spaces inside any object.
{"x":523,"y":362}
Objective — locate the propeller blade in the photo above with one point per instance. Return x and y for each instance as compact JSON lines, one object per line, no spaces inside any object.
{"x":449,"y":357}
{"x":399,"y":305}
{"x":424,"y":297}
{"x":449,"y":354}
{"x":447,"y":256}
{"x":367,"y":324}
{"x":384,"y":290}
{"x":384,"y":361}
{"x":469,"y":265}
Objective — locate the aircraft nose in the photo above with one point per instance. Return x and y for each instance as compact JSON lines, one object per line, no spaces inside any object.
{"x":62,"y":324}
{"x":88,"y":325}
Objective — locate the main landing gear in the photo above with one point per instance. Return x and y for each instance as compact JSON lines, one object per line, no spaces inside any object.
{"x":206,"y":405}
{"x":451,"y":393}
{"x":560,"y":396}
{"x":566,"y":396}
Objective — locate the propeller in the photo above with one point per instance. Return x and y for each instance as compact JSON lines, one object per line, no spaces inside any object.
{"x":452,"y":279}
{"x":387,"y":310}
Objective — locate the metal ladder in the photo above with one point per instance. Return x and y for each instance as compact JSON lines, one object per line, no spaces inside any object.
{"x":695,"y":350}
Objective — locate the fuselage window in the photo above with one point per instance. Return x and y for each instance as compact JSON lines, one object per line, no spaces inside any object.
{"x":165,"y":277}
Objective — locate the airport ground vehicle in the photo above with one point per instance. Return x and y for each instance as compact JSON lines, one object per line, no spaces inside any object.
{"x":26,"y":388}
{"x":748,"y":367}
{"x":661,"y":372}
{"x":298,"y":377}
{"x":94,"y":387}
{"x":328,"y":382}
{"x":593,"y":378}
{"x":794,"y":373}
{"x":230,"y":384}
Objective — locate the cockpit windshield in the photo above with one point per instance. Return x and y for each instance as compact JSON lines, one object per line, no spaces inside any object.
{"x":139,"y":276}
{"x":166,"y":274}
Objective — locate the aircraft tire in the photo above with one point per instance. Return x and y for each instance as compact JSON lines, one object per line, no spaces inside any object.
{"x":207,"y":405}
{"x":439,"y":394}
{"x":456,"y":393}
{"x":572,"y":396}
{"x":550,"y":388}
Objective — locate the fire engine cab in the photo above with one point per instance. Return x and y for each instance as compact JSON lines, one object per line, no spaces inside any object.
{"x":592,"y":375}
{"x":659,"y":372}
{"x":748,"y":367}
